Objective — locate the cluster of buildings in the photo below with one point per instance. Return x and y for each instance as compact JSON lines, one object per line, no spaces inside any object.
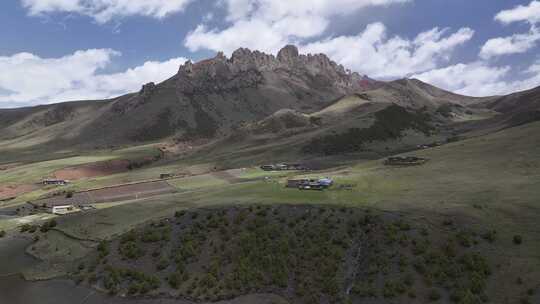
{"x":284,"y":167}
{"x":405,"y":161}
{"x":310,"y":183}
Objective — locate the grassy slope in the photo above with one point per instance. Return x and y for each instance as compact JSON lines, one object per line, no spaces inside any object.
{"x":490,"y":182}
{"x":34,"y":172}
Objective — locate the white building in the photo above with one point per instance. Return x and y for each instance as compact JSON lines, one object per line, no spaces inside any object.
{"x":63,"y":209}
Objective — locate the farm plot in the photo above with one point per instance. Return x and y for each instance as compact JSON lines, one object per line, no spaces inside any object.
{"x":109,"y":194}
{"x":93,"y":169}
{"x":10,"y":191}
{"x":131,"y":191}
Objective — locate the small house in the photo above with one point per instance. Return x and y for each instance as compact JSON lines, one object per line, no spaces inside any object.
{"x":295,"y":183}
{"x":405,"y":161}
{"x":59,"y":182}
{"x":63,"y":209}
{"x":268,"y":167}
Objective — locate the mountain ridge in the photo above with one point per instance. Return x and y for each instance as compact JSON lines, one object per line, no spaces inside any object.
{"x":212,"y":98}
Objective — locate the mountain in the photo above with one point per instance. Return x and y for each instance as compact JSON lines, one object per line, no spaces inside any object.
{"x":254,"y":97}
{"x":204,"y":99}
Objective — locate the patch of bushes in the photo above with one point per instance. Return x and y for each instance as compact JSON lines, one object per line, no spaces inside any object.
{"x":103,"y":249}
{"x":162,"y":264}
{"x":364,"y":290}
{"x":434,"y":295}
{"x":259,"y":251}
{"x":392,"y":289}
{"x":45,"y":227}
{"x":389,"y":124}
{"x":28,"y":228}
{"x":131,"y":250}
{"x":490,"y":236}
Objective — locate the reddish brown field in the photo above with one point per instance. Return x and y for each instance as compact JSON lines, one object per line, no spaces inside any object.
{"x":10,"y":191}
{"x":93,"y":170}
{"x":110,"y":194}
{"x":4,"y":167}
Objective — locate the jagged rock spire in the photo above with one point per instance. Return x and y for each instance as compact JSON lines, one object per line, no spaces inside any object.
{"x":288,"y":54}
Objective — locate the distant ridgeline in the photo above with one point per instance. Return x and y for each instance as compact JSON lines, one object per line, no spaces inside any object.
{"x":389,"y":124}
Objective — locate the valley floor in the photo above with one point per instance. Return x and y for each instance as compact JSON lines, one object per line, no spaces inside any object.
{"x":489,"y":183}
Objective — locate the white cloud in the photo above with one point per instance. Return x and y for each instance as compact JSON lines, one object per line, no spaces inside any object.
{"x":515,"y":44}
{"x":36,"y":80}
{"x":105,"y":10}
{"x":373,"y":53}
{"x":480,"y":79}
{"x":268,"y":25}
{"x":529,"y":13}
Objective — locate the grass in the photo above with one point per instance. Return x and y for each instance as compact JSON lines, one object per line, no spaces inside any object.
{"x":197,"y":182}
{"x":490,"y":183}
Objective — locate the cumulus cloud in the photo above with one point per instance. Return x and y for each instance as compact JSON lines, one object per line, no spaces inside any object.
{"x":267,"y":25}
{"x":529,"y":13}
{"x":481,"y":79}
{"x":517,"y":43}
{"x":36,"y":80}
{"x":372,"y":52}
{"x":105,"y":10}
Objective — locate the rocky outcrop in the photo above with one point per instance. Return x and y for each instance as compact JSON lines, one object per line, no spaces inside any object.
{"x":247,"y":68}
{"x":147,"y":90}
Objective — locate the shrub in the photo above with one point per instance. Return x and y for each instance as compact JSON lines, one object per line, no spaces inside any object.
{"x":174,"y":280}
{"x":44,"y":227}
{"x":162,"y":264}
{"x":518,"y":239}
{"x":28,"y":228}
{"x":103,"y":249}
{"x":434,"y":295}
{"x":364,"y":290}
{"x":490,"y":236}
{"x":392,"y":289}
{"x":464,"y":238}
{"x":179,"y":213}
{"x":2,"y":233}
{"x":128,"y":237}
{"x":133,"y":288}
{"x":131,"y":250}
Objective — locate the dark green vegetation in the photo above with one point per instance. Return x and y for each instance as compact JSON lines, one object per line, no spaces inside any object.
{"x":307,"y":254}
{"x":389,"y":124}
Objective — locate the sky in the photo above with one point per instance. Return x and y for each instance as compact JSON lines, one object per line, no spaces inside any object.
{"x":61,"y":50}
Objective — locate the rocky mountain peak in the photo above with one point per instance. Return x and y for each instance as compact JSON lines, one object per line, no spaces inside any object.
{"x":288,"y":54}
{"x":288,"y":59}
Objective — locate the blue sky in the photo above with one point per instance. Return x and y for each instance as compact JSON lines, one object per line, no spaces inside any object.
{"x":58,"y":50}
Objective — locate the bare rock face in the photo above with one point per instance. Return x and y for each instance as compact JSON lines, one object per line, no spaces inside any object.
{"x":288,"y":55}
{"x":147,"y":89}
{"x":248,"y":68}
